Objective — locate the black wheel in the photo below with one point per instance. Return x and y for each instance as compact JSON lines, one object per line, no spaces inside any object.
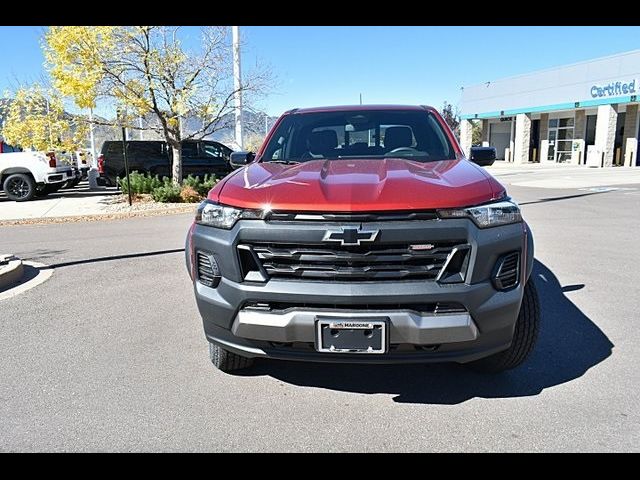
{"x":524,"y":336}
{"x":227,"y":361}
{"x":19,"y":187}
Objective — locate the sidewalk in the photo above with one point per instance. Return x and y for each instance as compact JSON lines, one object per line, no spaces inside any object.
{"x":54,"y":206}
{"x":79,"y":204}
{"x":562,"y":176}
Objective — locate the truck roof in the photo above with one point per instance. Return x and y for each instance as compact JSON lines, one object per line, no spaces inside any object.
{"x":340,"y":108}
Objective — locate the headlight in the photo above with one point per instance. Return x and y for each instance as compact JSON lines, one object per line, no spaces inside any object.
{"x":221,"y":216}
{"x":490,"y":215}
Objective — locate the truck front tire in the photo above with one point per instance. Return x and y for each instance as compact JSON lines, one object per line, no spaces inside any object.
{"x":227,"y":361}
{"x":19,"y":187}
{"x":524,"y":336}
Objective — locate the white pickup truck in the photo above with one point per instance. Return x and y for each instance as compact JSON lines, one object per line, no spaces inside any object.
{"x":25,"y":175}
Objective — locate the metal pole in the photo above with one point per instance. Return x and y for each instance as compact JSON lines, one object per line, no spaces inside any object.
{"x":126,"y":161}
{"x":94,"y":161}
{"x":49,"y":124}
{"x":237,"y":85}
{"x":140,"y":125}
{"x":124,"y":154}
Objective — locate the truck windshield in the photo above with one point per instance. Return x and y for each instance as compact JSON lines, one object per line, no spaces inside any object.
{"x":410,"y":134}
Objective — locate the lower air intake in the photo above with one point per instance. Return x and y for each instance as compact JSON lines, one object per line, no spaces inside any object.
{"x":208,"y":271}
{"x":507,"y":271}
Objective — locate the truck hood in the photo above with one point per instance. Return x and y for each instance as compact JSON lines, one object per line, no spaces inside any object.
{"x":358,"y":185}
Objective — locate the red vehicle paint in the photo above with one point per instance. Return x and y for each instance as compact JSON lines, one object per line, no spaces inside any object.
{"x":359,"y":185}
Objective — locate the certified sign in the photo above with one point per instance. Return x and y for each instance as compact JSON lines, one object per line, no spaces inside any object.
{"x":614,"y":89}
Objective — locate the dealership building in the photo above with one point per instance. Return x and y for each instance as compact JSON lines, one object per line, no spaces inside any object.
{"x":584,"y":114}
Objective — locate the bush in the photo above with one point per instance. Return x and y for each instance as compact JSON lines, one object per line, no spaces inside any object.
{"x":162,"y":190}
{"x":192,"y":182}
{"x":200,"y":186}
{"x":190,"y":194}
{"x":167,"y":193}
{"x":140,"y":183}
{"x":207,"y":184}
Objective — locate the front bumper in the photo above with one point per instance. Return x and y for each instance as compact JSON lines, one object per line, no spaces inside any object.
{"x":414,"y":336}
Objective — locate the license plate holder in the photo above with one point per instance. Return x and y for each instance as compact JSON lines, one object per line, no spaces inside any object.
{"x":351,"y":335}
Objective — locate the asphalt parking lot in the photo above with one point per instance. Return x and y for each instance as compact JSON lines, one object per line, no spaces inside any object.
{"x":109,"y":353}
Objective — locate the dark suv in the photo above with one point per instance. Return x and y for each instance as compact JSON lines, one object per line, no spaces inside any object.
{"x":363,"y":234}
{"x":199,"y":158}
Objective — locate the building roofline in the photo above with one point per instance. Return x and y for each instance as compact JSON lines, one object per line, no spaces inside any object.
{"x":557,"y":67}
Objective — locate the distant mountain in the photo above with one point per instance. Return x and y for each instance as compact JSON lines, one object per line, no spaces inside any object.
{"x":255,"y":123}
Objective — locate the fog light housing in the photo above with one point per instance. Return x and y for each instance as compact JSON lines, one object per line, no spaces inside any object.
{"x":207,"y":268}
{"x":507,"y":271}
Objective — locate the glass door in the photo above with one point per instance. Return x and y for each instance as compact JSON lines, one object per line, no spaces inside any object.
{"x":560,"y":139}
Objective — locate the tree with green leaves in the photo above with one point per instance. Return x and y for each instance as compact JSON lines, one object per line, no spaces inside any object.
{"x":476,"y":132}
{"x":452,"y":117}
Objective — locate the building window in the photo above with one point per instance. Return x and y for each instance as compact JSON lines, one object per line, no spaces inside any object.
{"x":560,"y":139}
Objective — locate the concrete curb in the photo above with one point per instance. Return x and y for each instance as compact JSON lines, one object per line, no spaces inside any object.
{"x":187,"y":208}
{"x":34,"y":275}
{"x":11,"y":270}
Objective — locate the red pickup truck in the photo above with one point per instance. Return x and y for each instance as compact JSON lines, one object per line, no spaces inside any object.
{"x":363,"y":234}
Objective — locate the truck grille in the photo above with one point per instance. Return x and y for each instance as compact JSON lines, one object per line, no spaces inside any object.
{"x":345,"y":263}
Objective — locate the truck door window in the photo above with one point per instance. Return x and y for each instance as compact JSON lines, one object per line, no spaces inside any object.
{"x":212,"y":151}
{"x":190,"y":150}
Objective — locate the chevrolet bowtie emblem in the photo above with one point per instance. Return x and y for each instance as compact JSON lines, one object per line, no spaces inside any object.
{"x":350,"y":236}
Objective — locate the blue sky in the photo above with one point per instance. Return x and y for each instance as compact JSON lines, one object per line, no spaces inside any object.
{"x":415,"y":65}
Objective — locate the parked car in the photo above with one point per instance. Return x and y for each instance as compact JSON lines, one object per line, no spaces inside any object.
{"x":199,"y":158}
{"x":362,"y":234}
{"x":25,"y":175}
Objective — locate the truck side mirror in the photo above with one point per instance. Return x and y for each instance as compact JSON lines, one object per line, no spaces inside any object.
{"x":240,"y":159}
{"x":483,"y":156}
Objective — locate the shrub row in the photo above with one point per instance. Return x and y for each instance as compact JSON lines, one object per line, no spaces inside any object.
{"x":193,"y":189}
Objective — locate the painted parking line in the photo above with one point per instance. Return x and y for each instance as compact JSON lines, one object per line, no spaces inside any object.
{"x":606,"y":189}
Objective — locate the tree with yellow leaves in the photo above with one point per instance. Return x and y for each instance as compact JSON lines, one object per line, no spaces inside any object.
{"x":36,"y":119}
{"x":150,"y":73}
